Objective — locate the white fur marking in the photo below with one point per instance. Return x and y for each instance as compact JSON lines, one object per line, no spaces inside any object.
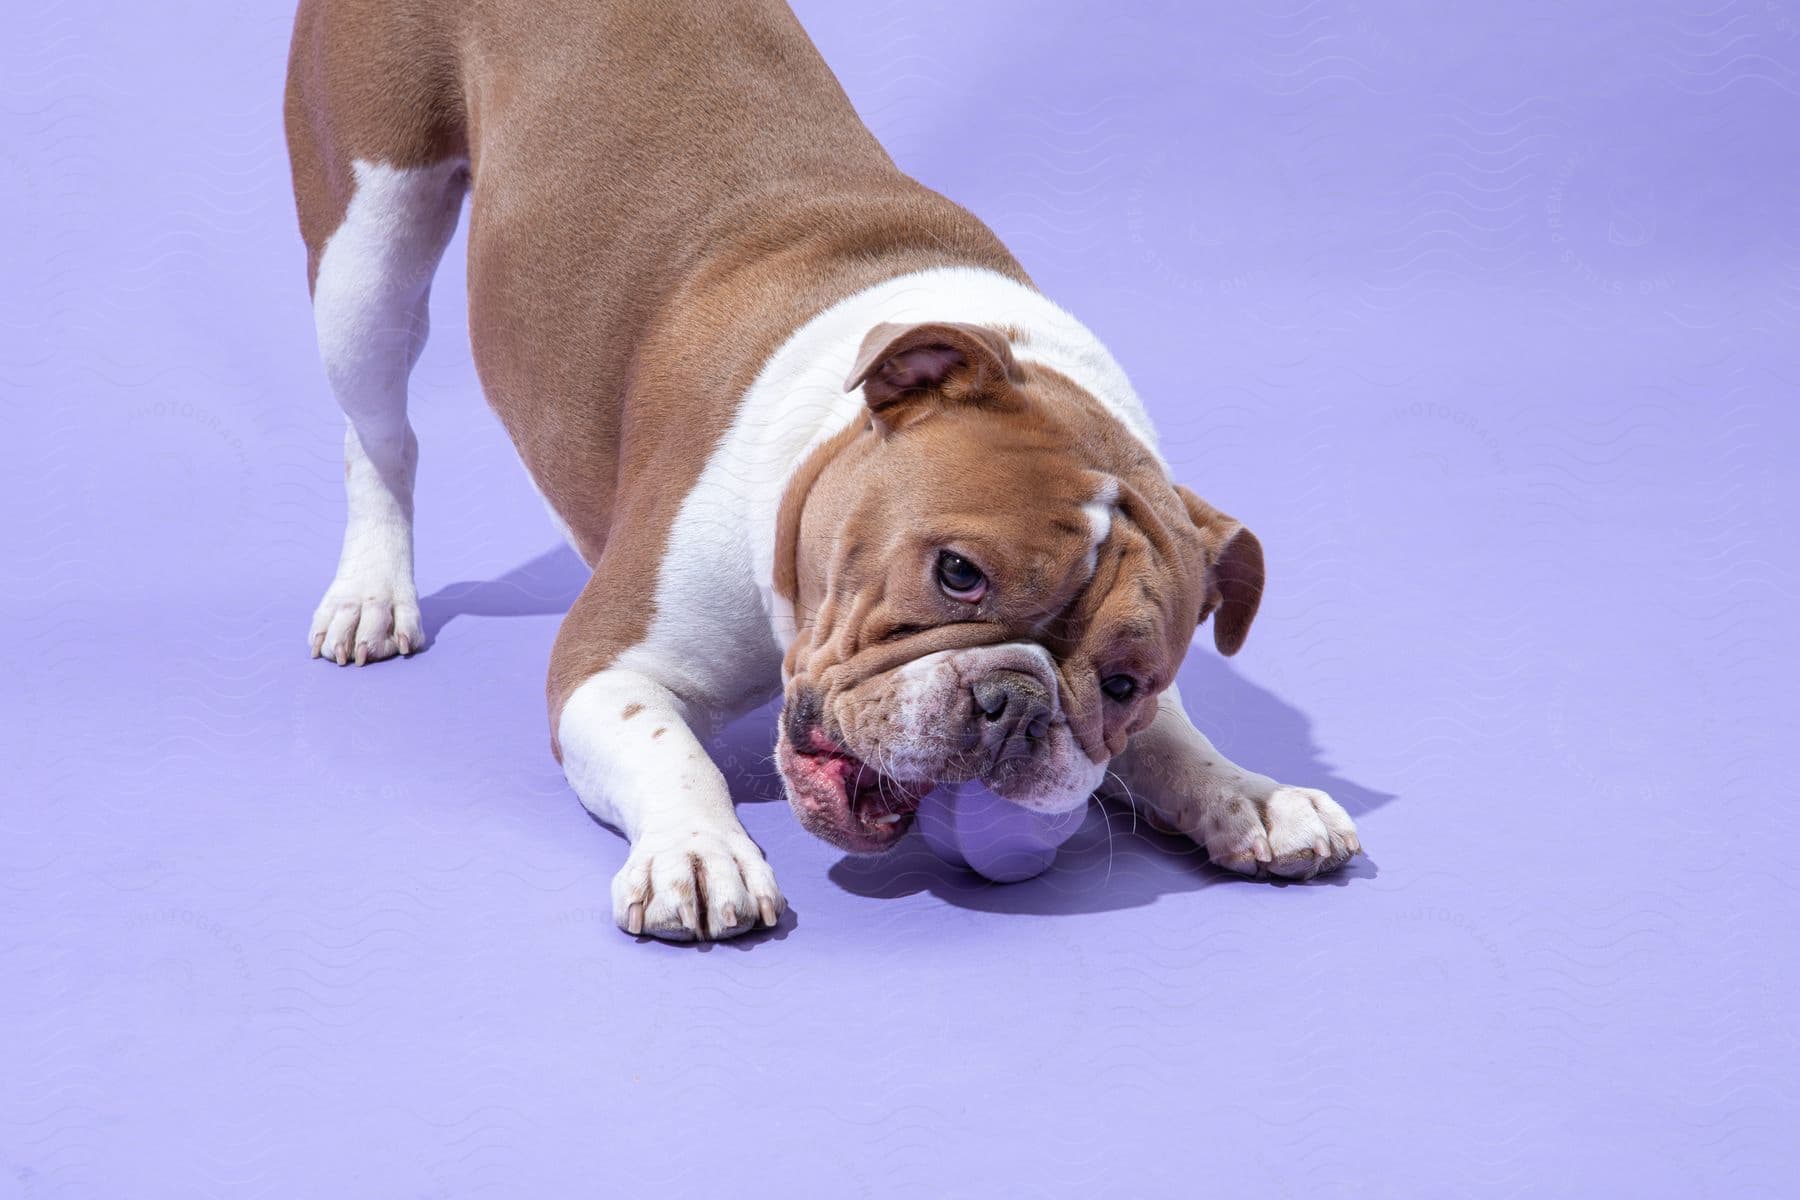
{"x":926,"y":685}
{"x":631,"y":756}
{"x":370,"y":309}
{"x":1099,"y":513}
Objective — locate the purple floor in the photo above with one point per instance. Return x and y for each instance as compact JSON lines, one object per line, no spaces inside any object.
{"x":1490,"y":328}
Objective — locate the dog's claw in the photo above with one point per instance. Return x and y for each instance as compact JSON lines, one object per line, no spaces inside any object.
{"x":365,"y":629}
{"x":770,"y":917}
{"x":1291,"y":834}
{"x":692,"y":884}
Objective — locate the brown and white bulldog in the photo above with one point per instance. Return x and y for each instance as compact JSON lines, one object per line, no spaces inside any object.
{"x":809,"y":423}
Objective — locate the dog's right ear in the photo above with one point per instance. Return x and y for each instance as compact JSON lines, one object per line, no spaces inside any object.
{"x":902,"y":366}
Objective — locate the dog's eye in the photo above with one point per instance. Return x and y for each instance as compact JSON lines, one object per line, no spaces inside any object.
{"x":1119,"y":687}
{"x":960,"y":578}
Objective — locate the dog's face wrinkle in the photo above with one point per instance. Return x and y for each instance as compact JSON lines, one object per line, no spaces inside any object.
{"x":1043,"y":597}
{"x":1082,"y":632}
{"x":1115,"y":628}
{"x":1090,"y":571}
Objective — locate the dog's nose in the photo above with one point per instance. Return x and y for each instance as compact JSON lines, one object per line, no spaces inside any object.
{"x":1013,"y":711}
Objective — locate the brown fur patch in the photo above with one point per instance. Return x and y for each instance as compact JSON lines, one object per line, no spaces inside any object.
{"x":660,"y":195}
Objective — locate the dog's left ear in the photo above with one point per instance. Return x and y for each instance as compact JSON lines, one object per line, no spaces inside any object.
{"x":1234,"y":572}
{"x":901,"y":368}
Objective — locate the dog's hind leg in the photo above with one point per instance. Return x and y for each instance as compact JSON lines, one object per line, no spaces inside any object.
{"x":370,"y":299}
{"x":376,"y":141}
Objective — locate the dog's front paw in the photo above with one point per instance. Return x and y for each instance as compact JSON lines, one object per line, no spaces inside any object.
{"x":1287,"y":833}
{"x":365,"y":624}
{"x":695,"y":884}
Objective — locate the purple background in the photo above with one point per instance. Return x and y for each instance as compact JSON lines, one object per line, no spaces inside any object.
{"x":1486,"y":324}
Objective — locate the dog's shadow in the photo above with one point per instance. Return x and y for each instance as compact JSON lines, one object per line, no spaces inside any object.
{"x":545,"y":586}
{"x":1114,"y":861}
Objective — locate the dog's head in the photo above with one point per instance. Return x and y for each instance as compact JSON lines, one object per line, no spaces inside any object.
{"x":992,"y":579}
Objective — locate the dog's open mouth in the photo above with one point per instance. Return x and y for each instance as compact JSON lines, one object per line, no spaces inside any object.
{"x":842,"y":799}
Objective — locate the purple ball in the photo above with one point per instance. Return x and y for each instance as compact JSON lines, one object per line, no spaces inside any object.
{"x":969,"y":826}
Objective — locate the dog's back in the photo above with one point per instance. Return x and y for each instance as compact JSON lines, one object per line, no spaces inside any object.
{"x":640,"y":171}
{"x":682,"y":110}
